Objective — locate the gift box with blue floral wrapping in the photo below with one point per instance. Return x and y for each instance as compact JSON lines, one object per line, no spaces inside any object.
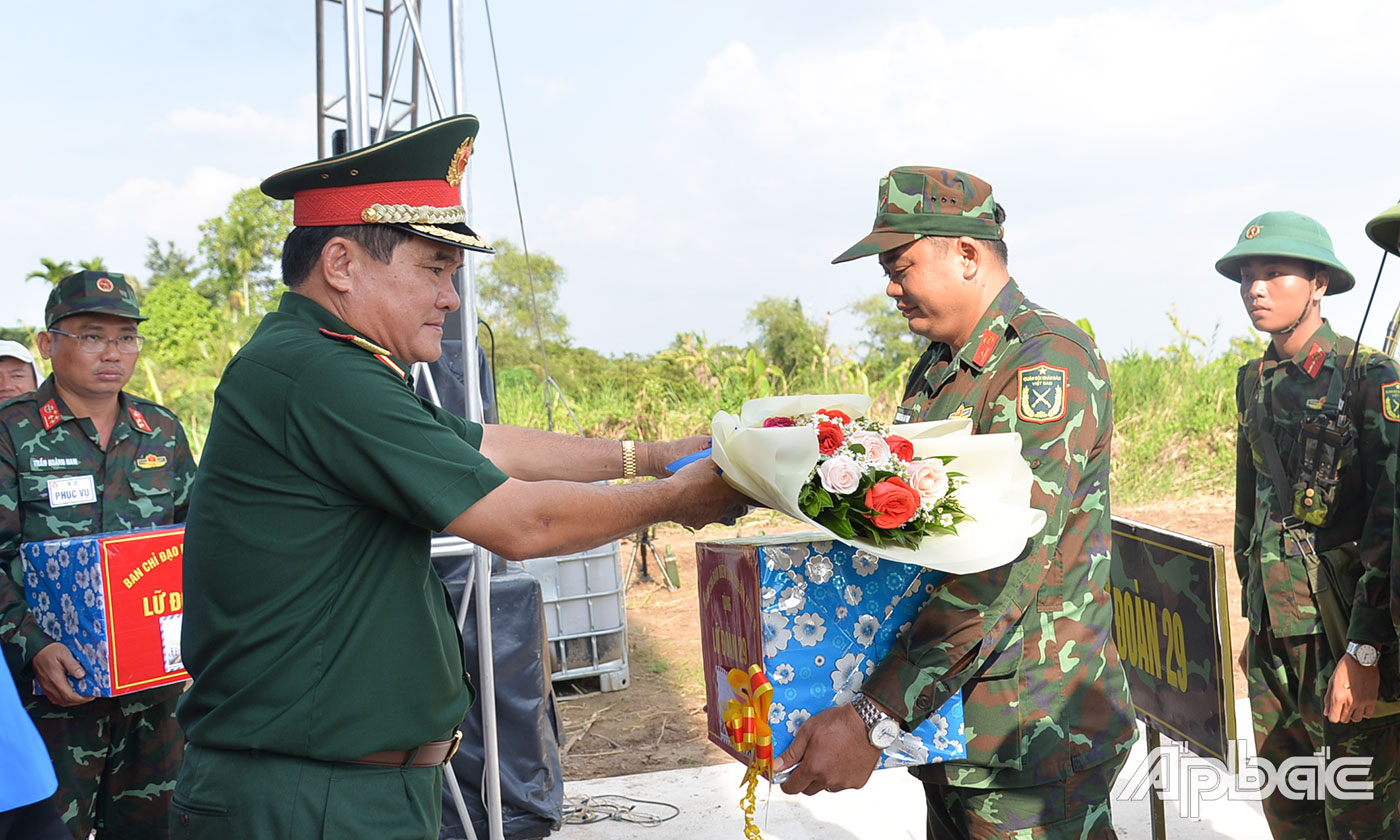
{"x":817,"y":615}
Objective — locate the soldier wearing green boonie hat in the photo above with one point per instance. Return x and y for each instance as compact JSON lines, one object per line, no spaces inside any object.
{"x":1315,"y":522}
{"x":328,"y":673}
{"x":79,"y":455}
{"x":1047,"y":734}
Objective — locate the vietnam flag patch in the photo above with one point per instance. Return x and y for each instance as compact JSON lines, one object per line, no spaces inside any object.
{"x":1040,"y":393}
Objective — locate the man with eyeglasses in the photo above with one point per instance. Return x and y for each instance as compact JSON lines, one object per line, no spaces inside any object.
{"x":125,"y":464}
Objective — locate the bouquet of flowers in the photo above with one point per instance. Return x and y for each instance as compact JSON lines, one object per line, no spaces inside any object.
{"x":887,"y":489}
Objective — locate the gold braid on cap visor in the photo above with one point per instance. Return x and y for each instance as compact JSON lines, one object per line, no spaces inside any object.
{"x":407,"y":214}
{"x":450,"y":235}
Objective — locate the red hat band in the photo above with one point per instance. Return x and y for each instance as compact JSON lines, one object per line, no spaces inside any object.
{"x":398,"y":202}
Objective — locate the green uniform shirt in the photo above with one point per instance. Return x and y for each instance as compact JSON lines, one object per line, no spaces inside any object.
{"x":1276,"y":394}
{"x":142,"y":480}
{"x":1028,"y":644}
{"x":315,"y":624}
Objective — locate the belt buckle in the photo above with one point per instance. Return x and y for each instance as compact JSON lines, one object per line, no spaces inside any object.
{"x":456,"y":742}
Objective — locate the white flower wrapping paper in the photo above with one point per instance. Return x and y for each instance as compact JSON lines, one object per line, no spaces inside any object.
{"x":771,"y":465}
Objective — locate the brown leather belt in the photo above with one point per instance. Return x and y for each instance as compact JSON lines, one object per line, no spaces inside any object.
{"x":430,"y":754}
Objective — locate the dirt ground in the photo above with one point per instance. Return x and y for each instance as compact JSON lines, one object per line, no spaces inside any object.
{"x":658,"y":721}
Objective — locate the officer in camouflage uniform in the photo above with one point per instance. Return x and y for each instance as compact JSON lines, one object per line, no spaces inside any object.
{"x":1384,"y":230}
{"x":1313,"y":686}
{"x":1029,"y":645}
{"x":130,"y":465}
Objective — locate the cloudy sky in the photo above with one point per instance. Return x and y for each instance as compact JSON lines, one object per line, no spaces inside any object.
{"x":683,"y":160}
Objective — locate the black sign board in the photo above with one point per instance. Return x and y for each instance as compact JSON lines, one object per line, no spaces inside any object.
{"x":1172,"y":634}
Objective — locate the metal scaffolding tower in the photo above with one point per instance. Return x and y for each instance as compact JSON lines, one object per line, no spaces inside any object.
{"x":352,"y":35}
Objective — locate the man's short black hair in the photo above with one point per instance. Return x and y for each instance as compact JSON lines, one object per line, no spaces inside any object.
{"x":304,"y":245}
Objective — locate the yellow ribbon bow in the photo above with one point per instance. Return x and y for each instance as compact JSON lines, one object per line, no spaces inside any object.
{"x":746,"y":722}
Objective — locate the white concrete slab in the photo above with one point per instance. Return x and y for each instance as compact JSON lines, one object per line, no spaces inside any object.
{"x":890,"y":807}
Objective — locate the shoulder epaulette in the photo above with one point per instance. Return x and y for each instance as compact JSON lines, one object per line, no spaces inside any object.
{"x":380,"y":353}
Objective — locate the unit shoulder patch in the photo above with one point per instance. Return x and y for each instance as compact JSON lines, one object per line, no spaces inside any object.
{"x":1390,"y":401}
{"x":1040,"y":393}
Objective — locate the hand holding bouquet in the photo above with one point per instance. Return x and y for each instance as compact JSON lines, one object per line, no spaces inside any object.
{"x":887,"y":489}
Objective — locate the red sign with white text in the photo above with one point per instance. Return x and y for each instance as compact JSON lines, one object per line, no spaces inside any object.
{"x":145,"y":608}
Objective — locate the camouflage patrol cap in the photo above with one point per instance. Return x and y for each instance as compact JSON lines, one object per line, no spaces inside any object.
{"x":92,"y":291}
{"x":1283,"y":233}
{"x":411,"y":182}
{"x":1384,"y":230}
{"x":918,"y":201}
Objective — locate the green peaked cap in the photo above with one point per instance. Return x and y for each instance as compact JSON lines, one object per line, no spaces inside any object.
{"x":92,"y":291}
{"x":1283,"y":233}
{"x":919,"y":201}
{"x":411,"y":181}
{"x":1384,"y":230}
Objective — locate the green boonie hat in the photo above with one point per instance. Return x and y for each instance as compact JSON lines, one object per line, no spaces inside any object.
{"x":1283,"y":233}
{"x":919,"y":201}
{"x":1384,"y":230}
{"x":411,"y":182}
{"x":92,"y":291}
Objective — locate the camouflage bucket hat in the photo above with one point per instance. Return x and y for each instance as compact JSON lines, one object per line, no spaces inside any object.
{"x":92,"y":291}
{"x":1283,"y":233}
{"x":1384,"y":230}
{"x":918,"y":201}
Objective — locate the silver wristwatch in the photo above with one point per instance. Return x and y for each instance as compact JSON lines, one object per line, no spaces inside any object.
{"x":880,"y":728}
{"x":1364,"y":654}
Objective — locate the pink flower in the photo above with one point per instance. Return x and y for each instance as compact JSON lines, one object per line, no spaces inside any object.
{"x":929,"y":478}
{"x":778,"y":422}
{"x":875,"y":447}
{"x":840,"y":475}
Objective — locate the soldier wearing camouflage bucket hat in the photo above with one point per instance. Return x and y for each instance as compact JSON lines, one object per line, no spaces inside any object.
{"x":328,"y":673}
{"x":1048,"y":731}
{"x":1314,"y":530}
{"x":80,"y":455}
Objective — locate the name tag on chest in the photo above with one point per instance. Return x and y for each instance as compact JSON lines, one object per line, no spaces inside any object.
{"x":77,"y":490}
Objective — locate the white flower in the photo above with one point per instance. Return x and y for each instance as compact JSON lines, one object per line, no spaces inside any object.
{"x":848,"y":677}
{"x":43,"y":600}
{"x":820,"y":569}
{"x":840,"y":474}
{"x":778,"y":558}
{"x":809,"y":629}
{"x":908,"y":749}
{"x":794,"y":598}
{"x":875,"y":447}
{"x":49,"y":624}
{"x":775,"y":633}
{"x":821,"y":546}
{"x":52,"y":568}
{"x":796,"y":719}
{"x":767,"y":595}
{"x":840,"y":612}
{"x":930,"y":478}
{"x":776,"y":713}
{"x":946,"y":520}
{"x":864,"y":563}
{"x":853,"y":594}
{"x":865,"y":629}
{"x":783,"y":674}
{"x":89,"y":598}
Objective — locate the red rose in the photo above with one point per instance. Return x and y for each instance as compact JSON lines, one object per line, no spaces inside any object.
{"x":829,"y":437}
{"x":835,"y":415}
{"x":901,"y":448}
{"x":778,"y":422}
{"x":893,"y":501}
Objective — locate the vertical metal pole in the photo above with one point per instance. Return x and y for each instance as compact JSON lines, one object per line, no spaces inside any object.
{"x":471,"y":369}
{"x":356,"y":106}
{"x":1159,"y":814}
{"x":320,"y":79}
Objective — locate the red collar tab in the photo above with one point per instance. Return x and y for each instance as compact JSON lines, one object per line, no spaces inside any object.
{"x":985,"y":348}
{"x":1316,"y":356}
{"x":139,"y":419}
{"x":346,"y":205}
{"x":50,"y":415}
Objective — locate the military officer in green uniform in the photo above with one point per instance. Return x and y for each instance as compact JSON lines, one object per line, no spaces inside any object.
{"x":328,"y":674}
{"x":1315,"y":518}
{"x":125,"y":464}
{"x":1028,"y":645}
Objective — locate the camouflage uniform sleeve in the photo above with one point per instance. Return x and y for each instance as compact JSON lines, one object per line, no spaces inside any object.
{"x":17,"y":624}
{"x":184,"y":473}
{"x":970,"y":620}
{"x":1244,"y":482}
{"x":1379,"y":442}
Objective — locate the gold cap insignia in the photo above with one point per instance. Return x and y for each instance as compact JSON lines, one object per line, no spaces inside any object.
{"x":103,"y":284}
{"x":1252,"y":232}
{"x":459,"y":162}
